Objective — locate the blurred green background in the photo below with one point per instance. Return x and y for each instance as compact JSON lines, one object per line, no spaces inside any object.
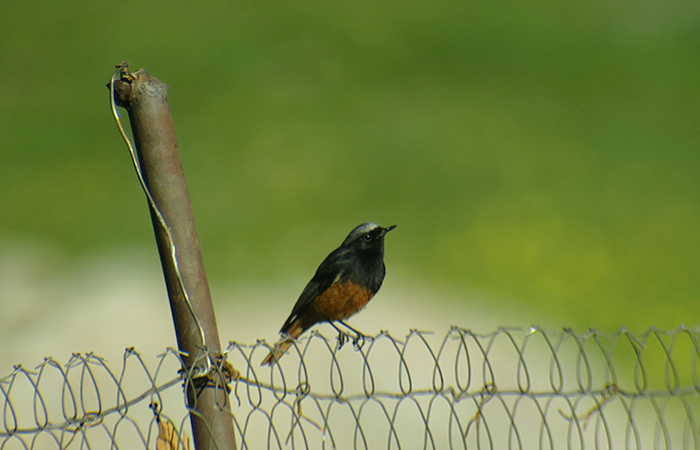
{"x":535,"y":154}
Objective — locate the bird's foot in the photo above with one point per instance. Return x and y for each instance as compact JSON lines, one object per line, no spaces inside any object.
{"x":358,"y":341}
{"x":342,"y":339}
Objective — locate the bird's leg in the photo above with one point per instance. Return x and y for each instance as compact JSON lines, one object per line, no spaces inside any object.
{"x":342,"y":337}
{"x":360,"y":338}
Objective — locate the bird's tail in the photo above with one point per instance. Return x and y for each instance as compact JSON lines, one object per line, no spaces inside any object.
{"x":295,"y":329}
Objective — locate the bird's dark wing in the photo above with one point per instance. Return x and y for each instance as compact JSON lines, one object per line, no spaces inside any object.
{"x":330,"y":271}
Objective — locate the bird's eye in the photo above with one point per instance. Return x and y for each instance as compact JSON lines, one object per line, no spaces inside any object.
{"x":367,"y":237}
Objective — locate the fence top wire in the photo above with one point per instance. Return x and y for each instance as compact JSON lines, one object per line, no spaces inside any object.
{"x":510,"y":388}
{"x":530,"y":361}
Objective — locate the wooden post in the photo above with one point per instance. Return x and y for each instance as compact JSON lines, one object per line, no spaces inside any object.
{"x":145,"y":98}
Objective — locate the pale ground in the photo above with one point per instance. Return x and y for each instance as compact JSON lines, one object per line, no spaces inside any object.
{"x":108,"y":303}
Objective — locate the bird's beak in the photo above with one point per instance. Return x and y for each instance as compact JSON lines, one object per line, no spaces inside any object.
{"x":388,"y":229}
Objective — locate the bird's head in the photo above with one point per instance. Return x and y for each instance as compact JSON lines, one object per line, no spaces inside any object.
{"x":367,"y":237}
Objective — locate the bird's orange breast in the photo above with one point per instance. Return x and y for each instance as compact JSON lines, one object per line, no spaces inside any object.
{"x":341,"y":301}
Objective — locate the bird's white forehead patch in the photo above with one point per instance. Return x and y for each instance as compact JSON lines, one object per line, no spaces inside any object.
{"x":366,"y":227}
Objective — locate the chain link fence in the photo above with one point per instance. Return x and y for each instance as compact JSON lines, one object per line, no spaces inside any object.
{"x":508,"y":389}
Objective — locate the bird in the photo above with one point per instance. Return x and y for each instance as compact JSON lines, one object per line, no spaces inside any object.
{"x":343,"y":284}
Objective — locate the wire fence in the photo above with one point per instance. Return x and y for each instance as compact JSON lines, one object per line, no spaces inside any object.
{"x":508,"y":389}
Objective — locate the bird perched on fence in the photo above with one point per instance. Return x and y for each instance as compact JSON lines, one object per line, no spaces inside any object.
{"x":343,"y":284}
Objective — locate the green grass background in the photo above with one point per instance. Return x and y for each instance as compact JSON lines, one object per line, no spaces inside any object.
{"x":542,"y":154}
